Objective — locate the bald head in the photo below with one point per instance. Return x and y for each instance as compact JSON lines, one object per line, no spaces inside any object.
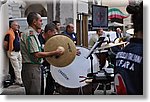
{"x":70,"y":28}
{"x":14,"y":25}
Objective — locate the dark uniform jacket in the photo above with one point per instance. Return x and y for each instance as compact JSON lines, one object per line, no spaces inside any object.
{"x":129,"y":68}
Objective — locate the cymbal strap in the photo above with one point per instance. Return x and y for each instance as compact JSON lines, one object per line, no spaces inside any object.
{"x":69,"y":48}
{"x":56,"y":56}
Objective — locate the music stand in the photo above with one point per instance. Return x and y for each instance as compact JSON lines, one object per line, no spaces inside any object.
{"x":98,"y":43}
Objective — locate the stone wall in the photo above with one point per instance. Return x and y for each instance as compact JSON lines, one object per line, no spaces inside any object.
{"x":4,"y":63}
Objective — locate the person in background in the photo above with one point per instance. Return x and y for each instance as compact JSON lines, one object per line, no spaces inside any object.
{"x":32,"y":55}
{"x":119,"y":33}
{"x":49,"y":31}
{"x":95,"y":37}
{"x":58,"y":25}
{"x":70,"y":32}
{"x":12,"y":46}
{"x":129,"y":61}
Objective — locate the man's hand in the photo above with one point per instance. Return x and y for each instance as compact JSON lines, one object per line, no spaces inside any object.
{"x":60,"y":51}
{"x":78,"y":52}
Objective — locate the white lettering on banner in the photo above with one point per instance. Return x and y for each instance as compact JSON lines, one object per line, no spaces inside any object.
{"x":137,"y":58}
{"x":121,"y":62}
{"x":125,"y":64}
{"x":129,"y":56}
{"x":132,"y":67}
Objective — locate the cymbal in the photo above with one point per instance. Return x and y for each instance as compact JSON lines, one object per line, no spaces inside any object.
{"x":111,"y":45}
{"x":69,"y":53}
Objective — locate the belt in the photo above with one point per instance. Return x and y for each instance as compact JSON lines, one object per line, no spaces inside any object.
{"x":17,"y":51}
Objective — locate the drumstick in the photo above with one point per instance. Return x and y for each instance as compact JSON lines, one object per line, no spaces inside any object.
{"x":82,"y":77}
{"x":87,"y":79}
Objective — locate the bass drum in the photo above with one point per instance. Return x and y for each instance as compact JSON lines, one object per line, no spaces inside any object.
{"x":68,"y":80}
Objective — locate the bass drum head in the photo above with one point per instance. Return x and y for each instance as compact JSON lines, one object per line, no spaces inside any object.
{"x":69,"y":76}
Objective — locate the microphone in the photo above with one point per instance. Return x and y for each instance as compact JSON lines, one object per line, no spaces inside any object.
{"x":108,"y":38}
{"x":101,"y":40}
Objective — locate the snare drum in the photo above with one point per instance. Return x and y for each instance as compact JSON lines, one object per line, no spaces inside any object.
{"x":69,"y":76}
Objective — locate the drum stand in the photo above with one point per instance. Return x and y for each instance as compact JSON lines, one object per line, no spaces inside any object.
{"x":80,"y":91}
{"x":103,"y":79}
{"x":104,"y":88}
{"x":91,"y":58}
{"x":91,"y":75}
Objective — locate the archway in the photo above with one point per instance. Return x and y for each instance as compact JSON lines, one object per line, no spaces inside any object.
{"x":36,"y":8}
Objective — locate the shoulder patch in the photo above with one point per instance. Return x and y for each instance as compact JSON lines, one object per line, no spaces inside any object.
{"x":120,"y":86}
{"x":31,"y":32}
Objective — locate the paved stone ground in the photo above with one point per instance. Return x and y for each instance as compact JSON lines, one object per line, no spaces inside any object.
{"x":17,"y":90}
{"x":13,"y":90}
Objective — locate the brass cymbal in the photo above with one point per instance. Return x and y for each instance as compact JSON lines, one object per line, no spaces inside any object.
{"x":61,"y":41}
{"x":111,"y":45}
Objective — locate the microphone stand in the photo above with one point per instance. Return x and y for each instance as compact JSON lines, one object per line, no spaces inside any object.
{"x":91,"y":57}
{"x":99,"y":42}
{"x":108,"y":38}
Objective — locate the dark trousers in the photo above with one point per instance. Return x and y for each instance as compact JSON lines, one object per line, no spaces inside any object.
{"x":49,"y":89}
